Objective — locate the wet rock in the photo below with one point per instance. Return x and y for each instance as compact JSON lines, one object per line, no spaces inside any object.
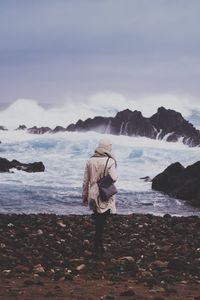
{"x":28,"y":282}
{"x":81,"y":267}
{"x":40,"y":130}
{"x":6,"y":165}
{"x":163,"y":122}
{"x":159,"y":264}
{"x":21,"y":269}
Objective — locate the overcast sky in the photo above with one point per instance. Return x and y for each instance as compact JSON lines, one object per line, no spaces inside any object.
{"x":51,"y":50}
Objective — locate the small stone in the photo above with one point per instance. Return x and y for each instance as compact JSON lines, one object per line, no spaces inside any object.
{"x":109,"y":297}
{"x":39,"y":269}
{"x":28,"y":282}
{"x":128,"y":293}
{"x":81,"y":267}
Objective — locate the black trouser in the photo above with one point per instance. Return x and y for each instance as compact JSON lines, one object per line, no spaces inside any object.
{"x":99,"y":222}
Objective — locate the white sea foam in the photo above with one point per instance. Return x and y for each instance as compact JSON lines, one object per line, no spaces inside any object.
{"x":65,"y":154}
{"x":30,"y":112}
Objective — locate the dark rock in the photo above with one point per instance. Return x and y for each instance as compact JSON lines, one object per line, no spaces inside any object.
{"x":180,"y":182}
{"x":28,"y":282}
{"x":169,"y":179}
{"x":109,"y":297}
{"x":21,"y":127}
{"x":168,"y":121}
{"x":3,"y":128}
{"x":164,"y":123}
{"x":98,"y":124}
{"x":128,"y":293}
{"x":58,"y":129}
{"x":6,"y":165}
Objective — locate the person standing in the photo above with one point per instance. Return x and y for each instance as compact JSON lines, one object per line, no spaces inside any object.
{"x":102,"y":160}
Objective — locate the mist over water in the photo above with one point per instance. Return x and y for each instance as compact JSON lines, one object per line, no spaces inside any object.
{"x":64,"y":155}
{"x":31,"y":113}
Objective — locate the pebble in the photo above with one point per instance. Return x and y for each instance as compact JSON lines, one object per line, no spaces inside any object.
{"x":128,"y":293}
{"x":153,"y":250}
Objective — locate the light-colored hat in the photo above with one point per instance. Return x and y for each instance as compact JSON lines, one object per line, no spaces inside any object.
{"x":105,"y":143}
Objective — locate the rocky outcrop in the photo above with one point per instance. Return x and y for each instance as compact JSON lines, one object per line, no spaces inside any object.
{"x":179,"y":182}
{"x":42,"y":130}
{"x":165,"y":124}
{"x":173,"y":126}
{"x":39,"y":130}
{"x":98,"y":124}
{"x":21,"y":127}
{"x":6,"y":165}
{"x":3,"y":128}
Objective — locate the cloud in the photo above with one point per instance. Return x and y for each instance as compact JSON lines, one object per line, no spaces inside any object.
{"x":52,"y":48}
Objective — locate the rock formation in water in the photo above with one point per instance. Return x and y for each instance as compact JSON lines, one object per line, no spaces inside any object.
{"x":21,"y":127}
{"x":164,"y":124}
{"x":3,"y":128}
{"x":179,"y":182}
{"x":6,"y":165}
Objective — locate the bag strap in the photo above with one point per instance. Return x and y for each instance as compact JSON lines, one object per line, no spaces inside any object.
{"x":105,"y":167}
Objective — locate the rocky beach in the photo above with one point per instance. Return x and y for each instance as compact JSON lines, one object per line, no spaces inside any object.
{"x":48,"y":256}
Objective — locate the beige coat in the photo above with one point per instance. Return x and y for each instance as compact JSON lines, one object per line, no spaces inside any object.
{"x":93,"y":172}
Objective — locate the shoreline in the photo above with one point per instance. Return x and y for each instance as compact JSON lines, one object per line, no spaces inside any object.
{"x":151,"y":252}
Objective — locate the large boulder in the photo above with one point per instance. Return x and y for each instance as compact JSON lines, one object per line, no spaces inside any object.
{"x":179,"y":182}
{"x":3,"y":128}
{"x":39,"y":130}
{"x":21,"y":127}
{"x":58,"y":129}
{"x":6,"y":165}
{"x":173,"y":126}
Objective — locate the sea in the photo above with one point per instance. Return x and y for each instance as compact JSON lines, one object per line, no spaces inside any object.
{"x":58,"y":189}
